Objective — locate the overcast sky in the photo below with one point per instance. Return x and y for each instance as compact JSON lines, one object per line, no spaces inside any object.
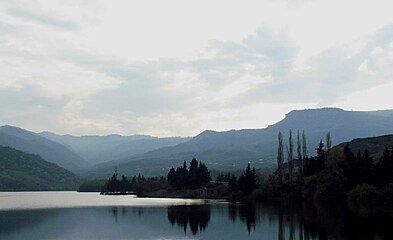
{"x":170,"y":68}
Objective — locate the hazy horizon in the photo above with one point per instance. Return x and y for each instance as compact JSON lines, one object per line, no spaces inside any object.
{"x":175,"y":69}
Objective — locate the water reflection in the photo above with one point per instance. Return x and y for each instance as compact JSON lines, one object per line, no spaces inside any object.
{"x":215,"y":221}
{"x":196,"y":216}
{"x":246,"y":214}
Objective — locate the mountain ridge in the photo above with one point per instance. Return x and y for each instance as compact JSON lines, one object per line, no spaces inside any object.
{"x":50,"y":151}
{"x":259,"y":145}
{"x":97,"y":149}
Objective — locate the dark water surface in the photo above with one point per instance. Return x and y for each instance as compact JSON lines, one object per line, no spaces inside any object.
{"x":62,"y":216}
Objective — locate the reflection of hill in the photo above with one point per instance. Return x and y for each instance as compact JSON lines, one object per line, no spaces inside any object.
{"x":14,"y":221}
{"x":196,"y":216}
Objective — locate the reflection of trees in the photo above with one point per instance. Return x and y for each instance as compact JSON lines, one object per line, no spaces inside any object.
{"x":281,"y":229}
{"x":232,"y":212}
{"x":307,"y":222}
{"x":139,"y":211}
{"x":197,"y":216}
{"x":246,"y":213}
{"x":115,"y":212}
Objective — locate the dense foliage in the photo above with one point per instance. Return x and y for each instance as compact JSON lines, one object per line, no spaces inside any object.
{"x":196,"y":176}
{"x":334,"y":176}
{"x":183,"y":178}
{"x":137,"y":184}
{"x":20,"y":171}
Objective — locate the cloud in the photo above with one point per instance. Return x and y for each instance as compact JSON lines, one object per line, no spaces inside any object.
{"x":57,"y":74}
{"x":261,"y":69}
{"x":42,"y":18}
{"x":331,"y":75}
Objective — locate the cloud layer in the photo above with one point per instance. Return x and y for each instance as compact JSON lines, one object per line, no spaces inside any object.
{"x":55,"y":76}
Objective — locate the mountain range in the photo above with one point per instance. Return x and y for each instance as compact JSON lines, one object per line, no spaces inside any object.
{"x":98,"y":156}
{"x":232,"y":149}
{"x":49,"y":150}
{"x":98,"y":149}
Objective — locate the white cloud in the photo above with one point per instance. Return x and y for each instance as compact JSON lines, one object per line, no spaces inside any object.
{"x":177,"y":68}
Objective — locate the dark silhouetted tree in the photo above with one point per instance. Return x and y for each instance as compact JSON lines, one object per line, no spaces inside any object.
{"x":183,"y":178}
{"x":248,"y":181}
{"x":299,"y":155}
{"x":280,"y":157}
{"x":290,"y":156}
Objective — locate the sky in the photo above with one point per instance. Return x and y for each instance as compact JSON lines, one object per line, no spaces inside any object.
{"x":176,"y":68}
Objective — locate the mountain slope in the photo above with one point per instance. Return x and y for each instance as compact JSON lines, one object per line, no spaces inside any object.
{"x":49,"y":150}
{"x":20,"y":171}
{"x":233,"y":149}
{"x":375,"y":145}
{"x":98,"y":149}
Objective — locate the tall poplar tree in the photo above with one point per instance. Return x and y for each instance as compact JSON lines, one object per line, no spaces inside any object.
{"x":280,"y":156}
{"x":304,"y":151}
{"x":299,"y":155}
{"x":328,"y":142}
{"x":290,"y":155}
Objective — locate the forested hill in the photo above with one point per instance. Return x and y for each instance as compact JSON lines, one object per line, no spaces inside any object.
{"x":51,"y":151}
{"x":233,"y":149}
{"x":375,"y":145}
{"x":20,"y":171}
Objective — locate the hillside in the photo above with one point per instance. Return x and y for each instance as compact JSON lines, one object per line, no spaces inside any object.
{"x":98,"y":149}
{"x":233,"y":149}
{"x":49,"y":150}
{"x":375,"y":145}
{"x":20,"y":171}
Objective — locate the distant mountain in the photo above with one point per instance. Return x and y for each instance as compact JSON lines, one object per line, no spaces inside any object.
{"x":98,"y":149}
{"x":49,"y":150}
{"x":20,"y":171}
{"x":233,"y":149}
{"x":375,"y":145}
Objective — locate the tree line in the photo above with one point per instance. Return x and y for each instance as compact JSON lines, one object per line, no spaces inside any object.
{"x":124,"y":185}
{"x":196,"y":176}
{"x":332,"y":176}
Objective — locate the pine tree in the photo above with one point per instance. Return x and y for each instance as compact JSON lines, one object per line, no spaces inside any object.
{"x":233,"y":184}
{"x":171,"y":176}
{"x":194,"y":174}
{"x":321,"y":156}
{"x":204,"y":175}
{"x":248,"y":181}
{"x":124,"y":184}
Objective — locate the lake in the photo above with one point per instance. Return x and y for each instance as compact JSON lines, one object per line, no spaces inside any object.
{"x":72,"y":215}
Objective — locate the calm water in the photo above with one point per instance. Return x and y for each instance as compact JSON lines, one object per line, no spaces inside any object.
{"x":70,"y":215}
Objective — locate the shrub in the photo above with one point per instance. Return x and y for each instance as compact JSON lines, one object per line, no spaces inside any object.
{"x":364,"y":200}
{"x":330,"y":190}
{"x":363,"y":195}
{"x":309,"y":188}
{"x":324,"y":188}
{"x":387,"y":195}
